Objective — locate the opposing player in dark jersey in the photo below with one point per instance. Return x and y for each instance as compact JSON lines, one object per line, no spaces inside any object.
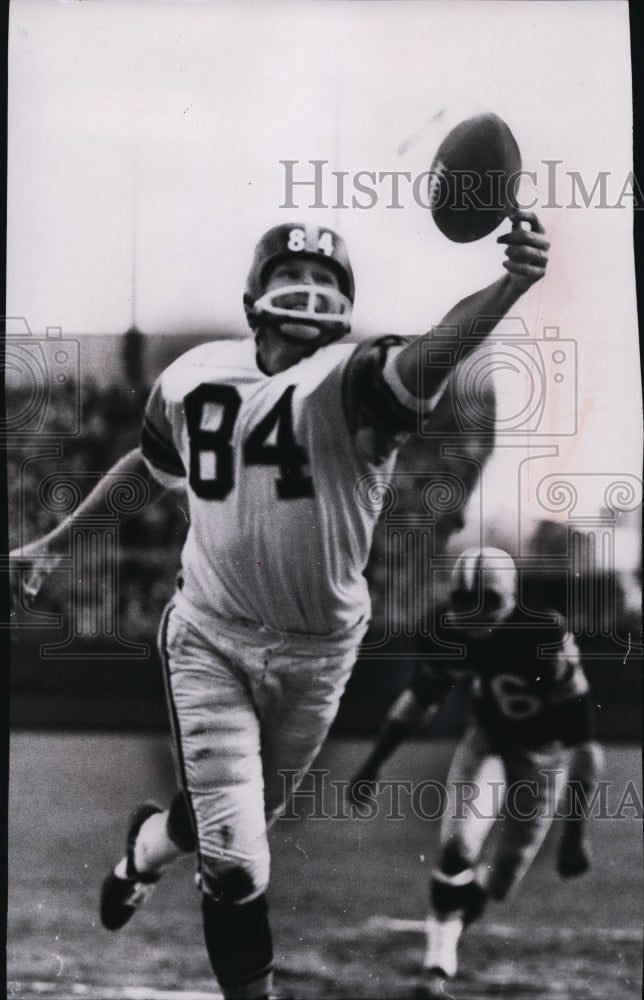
{"x":531,"y":727}
{"x":270,"y":439}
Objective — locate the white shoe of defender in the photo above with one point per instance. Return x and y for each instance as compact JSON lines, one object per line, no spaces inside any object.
{"x":442,"y":942}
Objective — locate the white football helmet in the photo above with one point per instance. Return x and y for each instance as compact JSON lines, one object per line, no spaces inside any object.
{"x":483,"y":590}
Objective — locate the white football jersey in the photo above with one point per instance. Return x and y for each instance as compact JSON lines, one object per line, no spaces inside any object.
{"x":279,"y":528}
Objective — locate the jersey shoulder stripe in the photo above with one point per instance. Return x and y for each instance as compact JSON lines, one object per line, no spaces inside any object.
{"x":368,"y":398}
{"x":159,"y":451}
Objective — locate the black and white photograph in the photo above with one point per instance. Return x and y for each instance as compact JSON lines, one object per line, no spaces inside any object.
{"x":323,"y":439}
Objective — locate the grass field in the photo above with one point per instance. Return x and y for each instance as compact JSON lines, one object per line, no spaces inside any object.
{"x":347,"y":896}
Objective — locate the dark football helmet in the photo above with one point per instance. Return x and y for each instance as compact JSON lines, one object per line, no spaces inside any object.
{"x":317,"y":312}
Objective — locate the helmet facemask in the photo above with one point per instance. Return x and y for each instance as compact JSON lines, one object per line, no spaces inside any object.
{"x":305,"y":313}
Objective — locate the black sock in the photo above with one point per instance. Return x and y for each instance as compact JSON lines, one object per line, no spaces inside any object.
{"x":238,"y":939}
{"x":447,"y":898}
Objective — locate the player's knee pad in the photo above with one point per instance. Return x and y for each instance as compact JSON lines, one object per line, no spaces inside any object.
{"x":179,"y":824}
{"x":234,"y":881}
{"x":457,"y":893}
{"x":453,"y":859}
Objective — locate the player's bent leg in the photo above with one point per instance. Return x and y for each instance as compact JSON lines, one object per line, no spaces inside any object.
{"x":149,"y":850}
{"x":239,"y":944}
{"x":235,"y":917}
{"x":475,"y":786}
{"x":236,"y":927}
{"x":456,"y":898}
{"x":216,"y":727}
{"x":536,"y":779}
{"x":296,"y":724}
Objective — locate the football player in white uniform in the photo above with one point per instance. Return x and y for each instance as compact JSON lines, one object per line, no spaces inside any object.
{"x":271,"y":440}
{"x":531,"y":728}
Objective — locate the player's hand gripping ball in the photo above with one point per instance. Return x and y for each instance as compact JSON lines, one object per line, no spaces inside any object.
{"x":474,"y":178}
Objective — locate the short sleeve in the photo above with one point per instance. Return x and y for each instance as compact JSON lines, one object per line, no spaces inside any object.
{"x":369,"y":397}
{"x":157,"y":444}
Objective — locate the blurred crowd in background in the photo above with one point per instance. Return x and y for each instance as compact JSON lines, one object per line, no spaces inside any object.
{"x":406,"y":541}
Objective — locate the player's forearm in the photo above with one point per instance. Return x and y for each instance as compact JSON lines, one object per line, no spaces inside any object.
{"x":397,"y":726}
{"x":574,"y":854}
{"x":392,"y":734}
{"x":403,"y":718}
{"x":486,"y":308}
{"x":95,"y":503}
{"x":586,"y":764}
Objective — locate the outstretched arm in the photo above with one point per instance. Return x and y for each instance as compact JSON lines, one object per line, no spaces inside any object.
{"x":525,"y":263}
{"x":40,"y":556}
{"x":574,"y":724}
{"x":586,"y":765}
{"x":403,"y":718}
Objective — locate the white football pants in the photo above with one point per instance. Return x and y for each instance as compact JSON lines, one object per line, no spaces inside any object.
{"x":520,"y":788}
{"x":246,"y":703}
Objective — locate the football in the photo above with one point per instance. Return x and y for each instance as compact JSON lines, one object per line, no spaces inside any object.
{"x":474,"y":178}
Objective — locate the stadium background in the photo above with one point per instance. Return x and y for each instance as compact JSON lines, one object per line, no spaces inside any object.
{"x":90,"y":686}
{"x":144,"y":149}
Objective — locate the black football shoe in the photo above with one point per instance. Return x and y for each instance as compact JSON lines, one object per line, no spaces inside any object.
{"x":122,"y":897}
